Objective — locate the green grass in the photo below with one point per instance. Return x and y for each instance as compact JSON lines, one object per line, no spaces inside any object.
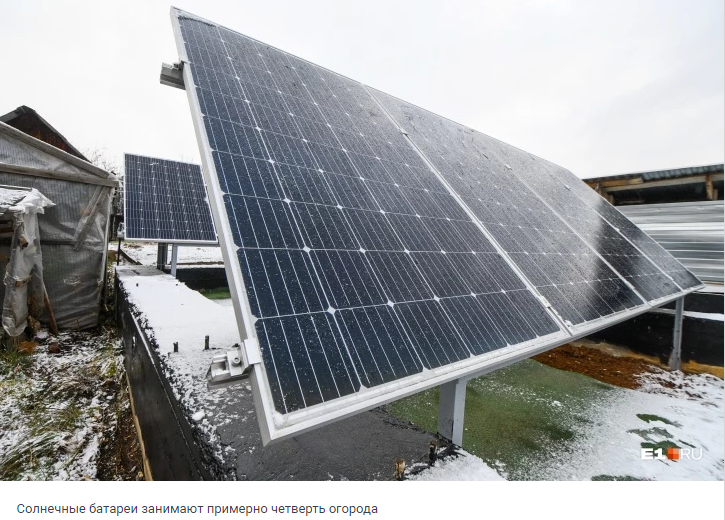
{"x":663,"y":445}
{"x":648,"y":417}
{"x":220,"y":293}
{"x":13,"y":361}
{"x":517,"y":417}
{"x":626,"y":478}
{"x":53,"y":402}
{"x":651,"y":434}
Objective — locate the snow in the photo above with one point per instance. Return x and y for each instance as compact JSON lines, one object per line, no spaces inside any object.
{"x":54,"y":412}
{"x":687,"y":410}
{"x":462,"y":467}
{"x":169,"y":312}
{"x":174,"y":313}
{"x":145,"y":252}
{"x":9,"y":197}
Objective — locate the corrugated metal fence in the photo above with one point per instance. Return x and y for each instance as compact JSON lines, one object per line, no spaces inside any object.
{"x":691,"y":231}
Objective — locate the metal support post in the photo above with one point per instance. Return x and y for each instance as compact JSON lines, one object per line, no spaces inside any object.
{"x":676,"y":356}
{"x":161,"y":256}
{"x":174,"y":258}
{"x":451,"y":408}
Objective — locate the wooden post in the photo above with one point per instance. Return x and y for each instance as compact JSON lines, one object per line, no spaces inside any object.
{"x":49,"y":310}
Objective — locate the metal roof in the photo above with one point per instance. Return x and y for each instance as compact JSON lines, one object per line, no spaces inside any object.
{"x":663,"y":174}
{"x":10,"y":117}
{"x":692,"y":232}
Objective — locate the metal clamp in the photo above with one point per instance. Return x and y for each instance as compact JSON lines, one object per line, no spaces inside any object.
{"x":226,"y":369}
{"x":230,"y":367}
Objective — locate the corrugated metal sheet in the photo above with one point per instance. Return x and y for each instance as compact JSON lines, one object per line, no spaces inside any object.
{"x":691,"y":231}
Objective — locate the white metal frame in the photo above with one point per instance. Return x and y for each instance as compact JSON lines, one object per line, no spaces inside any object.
{"x":675,"y":360}
{"x":126,"y":238}
{"x":275,"y":426}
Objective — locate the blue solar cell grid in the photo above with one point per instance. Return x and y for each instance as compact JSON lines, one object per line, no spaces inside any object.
{"x":368,"y":255}
{"x":166,"y":201}
{"x":359,"y":264}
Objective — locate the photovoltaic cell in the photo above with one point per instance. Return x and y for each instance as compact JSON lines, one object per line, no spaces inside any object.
{"x":166,"y":201}
{"x":573,"y":256}
{"x":370,"y":259}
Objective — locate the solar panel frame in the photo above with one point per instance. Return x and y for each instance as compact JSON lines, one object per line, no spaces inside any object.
{"x":165,"y":240}
{"x":275,"y":426}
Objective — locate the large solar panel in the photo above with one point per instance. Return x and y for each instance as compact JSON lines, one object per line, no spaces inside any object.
{"x":166,"y":201}
{"x":367,"y":263}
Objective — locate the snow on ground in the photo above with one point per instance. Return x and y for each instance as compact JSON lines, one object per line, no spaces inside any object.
{"x":145,"y":253}
{"x":530,"y":421}
{"x":55,"y":408}
{"x":611,"y":424}
{"x":462,"y":467}
{"x":170,"y":312}
{"x":671,"y":409}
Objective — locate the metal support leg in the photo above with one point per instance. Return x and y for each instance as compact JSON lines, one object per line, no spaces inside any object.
{"x":676,"y":356}
{"x":161,"y":256}
{"x":451,"y":408}
{"x":174,"y":258}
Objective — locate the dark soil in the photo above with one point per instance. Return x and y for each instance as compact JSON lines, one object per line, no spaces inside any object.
{"x":120,"y":454}
{"x":619,"y":371}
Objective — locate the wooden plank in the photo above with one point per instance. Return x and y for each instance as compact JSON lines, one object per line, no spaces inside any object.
{"x":620,"y":182}
{"x":695,"y":179}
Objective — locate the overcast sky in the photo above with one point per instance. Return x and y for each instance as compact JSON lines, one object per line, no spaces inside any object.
{"x":599,"y":87}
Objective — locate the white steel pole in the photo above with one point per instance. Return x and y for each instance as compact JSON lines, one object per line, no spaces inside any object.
{"x":451,"y":408}
{"x":676,"y":356}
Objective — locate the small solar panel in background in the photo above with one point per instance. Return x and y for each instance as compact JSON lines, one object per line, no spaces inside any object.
{"x":166,"y":201}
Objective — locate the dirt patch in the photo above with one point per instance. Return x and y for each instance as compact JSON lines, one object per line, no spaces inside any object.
{"x":693,"y":367}
{"x":120,"y":452}
{"x":620,"y":371}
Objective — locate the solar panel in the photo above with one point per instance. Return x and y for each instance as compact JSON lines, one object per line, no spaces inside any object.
{"x":166,"y":201}
{"x":367,"y":263}
{"x":586,"y":267}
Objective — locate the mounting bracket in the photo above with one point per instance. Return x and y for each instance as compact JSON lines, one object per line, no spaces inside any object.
{"x":232,"y":366}
{"x":226,"y":369}
{"x":172,"y":75}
